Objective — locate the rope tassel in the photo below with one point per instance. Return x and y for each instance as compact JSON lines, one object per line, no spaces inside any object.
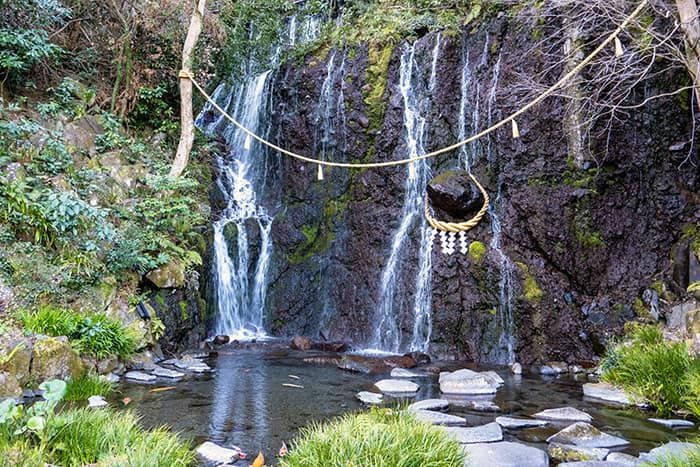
{"x":619,"y":51}
{"x":516,"y":130}
{"x":320,"y":172}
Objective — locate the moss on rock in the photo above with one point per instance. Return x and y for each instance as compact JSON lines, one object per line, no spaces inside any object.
{"x":477,"y":251}
{"x":532,"y":292}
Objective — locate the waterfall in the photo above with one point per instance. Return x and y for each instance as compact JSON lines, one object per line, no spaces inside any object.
{"x":388,"y":336}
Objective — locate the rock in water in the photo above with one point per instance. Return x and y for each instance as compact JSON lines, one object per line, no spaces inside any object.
{"x":623,"y":459}
{"x":515,"y":423}
{"x":439,"y":418}
{"x":586,"y":435}
{"x":505,"y":454}
{"x":674,"y":448}
{"x":606,"y":393}
{"x":139,"y":376}
{"x":455,"y":193}
{"x":301,"y":343}
{"x":488,"y":433}
{"x":166,"y":373}
{"x":673,"y":422}
{"x":221,"y":340}
{"x":403,"y":373}
{"x":565,"y":414}
{"x":396,"y":386}
{"x":371,"y":398}
{"x":569,"y":452}
{"x":430,"y":404}
{"x":213,"y":453}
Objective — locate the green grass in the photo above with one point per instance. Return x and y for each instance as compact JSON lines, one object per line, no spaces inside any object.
{"x":96,"y":334}
{"x":378,"y":438}
{"x":663,"y":373}
{"x":101,"y":437}
{"x":79,"y":389}
{"x":691,"y":459}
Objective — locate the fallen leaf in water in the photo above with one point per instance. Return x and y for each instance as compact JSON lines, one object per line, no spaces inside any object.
{"x":126,"y":400}
{"x":290,"y":385}
{"x":294,"y":376}
{"x":283,"y":450}
{"x":166,"y":388}
{"x":259,"y":461}
{"x":242,"y":455}
{"x":247,"y":370}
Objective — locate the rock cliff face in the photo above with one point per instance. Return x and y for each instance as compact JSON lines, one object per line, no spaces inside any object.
{"x":582,"y":244}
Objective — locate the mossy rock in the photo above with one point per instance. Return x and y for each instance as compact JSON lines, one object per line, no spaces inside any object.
{"x":531,"y":290}
{"x":55,"y":358}
{"x":477,"y":251}
{"x":9,"y":386}
{"x":168,"y":276}
{"x":19,"y":361}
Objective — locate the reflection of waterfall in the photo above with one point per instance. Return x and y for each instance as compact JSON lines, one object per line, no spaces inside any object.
{"x":387,"y":335}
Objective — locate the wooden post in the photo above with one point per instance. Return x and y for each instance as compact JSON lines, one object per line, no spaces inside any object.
{"x":186,"y":114}
{"x":690,"y":24}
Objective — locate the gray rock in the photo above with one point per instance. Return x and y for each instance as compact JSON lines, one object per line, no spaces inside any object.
{"x":96,"y":402}
{"x":430,"y":404}
{"x":467,"y":382}
{"x":464,"y":373}
{"x":396,"y":386}
{"x":554,"y":368}
{"x":110,"y":378}
{"x":564,"y":414}
{"x":674,"y":448}
{"x":403,"y":373}
{"x":605,"y":392}
{"x":575,"y":369}
{"x":166,"y":373}
{"x":586,"y":435}
{"x":439,"y":418}
{"x":454,"y":192}
{"x":213,"y":453}
{"x":673,"y":422}
{"x":516,"y":423}
{"x":494,"y":376}
{"x":139,"y":376}
{"x":592,"y":464}
{"x":367,"y":397}
{"x":623,"y":459}
{"x":516,"y":368}
{"x":569,"y":452}
{"x":504,"y":454}
{"x":488,"y":433}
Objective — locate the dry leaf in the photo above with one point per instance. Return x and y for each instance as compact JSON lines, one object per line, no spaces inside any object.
{"x":166,"y":388}
{"x":283,"y":450}
{"x":259,"y":461}
{"x":290,"y":385}
{"x":126,"y":400}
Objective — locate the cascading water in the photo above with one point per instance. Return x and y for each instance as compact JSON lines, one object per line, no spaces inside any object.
{"x":388,"y":336}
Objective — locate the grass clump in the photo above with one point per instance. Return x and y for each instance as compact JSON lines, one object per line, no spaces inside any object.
{"x":690,"y":458}
{"x":663,"y":373}
{"x":380,"y":437}
{"x":79,"y":389}
{"x":95,"y":334}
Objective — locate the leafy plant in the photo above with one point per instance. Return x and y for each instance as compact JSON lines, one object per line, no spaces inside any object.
{"x":157,"y":328}
{"x":80,"y":389}
{"x":21,"y":50}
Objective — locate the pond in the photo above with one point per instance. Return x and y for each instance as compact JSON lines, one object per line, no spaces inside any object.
{"x":251,"y":401}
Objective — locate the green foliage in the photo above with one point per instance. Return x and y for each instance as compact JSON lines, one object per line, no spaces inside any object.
{"x":663,"y":373}
{"x":80,"y":389}
{"x":156,"y":327}
{"x":97,"y":334}
{"x":689,"y":458}
{"x":21,"y":50}
{"x":378,"y":438}
{"x":153,"y":111}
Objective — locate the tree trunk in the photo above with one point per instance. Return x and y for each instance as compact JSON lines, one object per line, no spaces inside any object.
{"x":688,"y":12}
{"x":186,"y":113}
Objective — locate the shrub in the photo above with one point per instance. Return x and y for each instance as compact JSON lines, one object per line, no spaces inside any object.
{"x":378,"y":438}
{"x":80,"y":389}
{"x":661,"y":372}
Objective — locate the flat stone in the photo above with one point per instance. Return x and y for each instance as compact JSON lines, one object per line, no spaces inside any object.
{"x":139,"y":376}
{"x":623,"y":459}
{"x":591,"y":464}
{"x":564,"y":414}
{"x":673,"y":422}
{"x":488,"y":433}
{"x":569,"y":452}
{"x":96,"y":401}
{"x":430,"y":404}
{"x":166,"y":373}
{"x":586,"y":435}
{"x":213,"y":453}
{"x":605,"y":392}
{"x":494,"y":376}
{"x":554,"y":368}
{"x":367,"y":397}
{"x":396,"y":386}
{"x":199,"y":368}
{"x":674,"y":448}
{"x":403,"y":373}
{"x":469,"y":386}
{"x":516,"y":423}
{"x":464,"y":373}
{"x":111,"y":378}
{"x":439,"y":418}
{"x":575,"y":369}
{"x":504,"y":454}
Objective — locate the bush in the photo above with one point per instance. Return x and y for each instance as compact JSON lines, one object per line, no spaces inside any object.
{"x":663,"y":373}
{"x":80,"y":389}
{"x":97,"y":334}
{"x":378,"y":438}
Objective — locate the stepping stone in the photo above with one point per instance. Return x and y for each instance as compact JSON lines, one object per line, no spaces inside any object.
{"x":439,"y":418}
{"x":111,"y":378}
{"x":403,"y":373}
{"x":569,"y":452}
{"x":564,"y":414}
{"x":673,"y":422}
{"x":592,"y":464}
{"x":96,"y":402}
{"x":623,"y":459}
{"x":367,"y":397}
{"x":516,"y":423}
{"x":473,"y":385}
{"x":215,"y":454}
{"x":139,"y":376}
{"x":199,"y":368}
{"x":488,"y":433}
{"x":430,"y":404}
{"x":554,"y":368}
{"x":587,"y":436}
{"x":165,"y":373}
{"x":494,"y":376}
{"x":396,"y":386}
{"x":674,"y":448}
{"x":464,"y":373}
{"x":604,"y":392}
{"x":504,"y":454}
{"x":516,"y":368}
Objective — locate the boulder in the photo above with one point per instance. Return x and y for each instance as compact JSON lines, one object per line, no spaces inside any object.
{"x":9,"y":386}
{"x":370,"y":398}
{"x":396,"y":386}
{"x":605,"y":392}
{"x":209,"y":452}
{"x":169,"y":276}
{"x":82,"y":133}
{"x":54,"y":358}
{"x":517,"y":423}
{"x":221,"y":340}
{"x":301,"y":343}
{"x":516,"y":368}
{"x":455,"y":193}
{"x":19,"y":359}
{"x":439,"y":418}
{"x":564,"y":414}
{"x":673,"y":422}
{"x":430,"y":404}
{"x":623,"y":459}
{"x":489,"y":433}
{"x":586,"y":435}
{"x":467,"y":382}
{"x":403,"y":373}
{"x":569,"y":452}
{"x":504,"y":454}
